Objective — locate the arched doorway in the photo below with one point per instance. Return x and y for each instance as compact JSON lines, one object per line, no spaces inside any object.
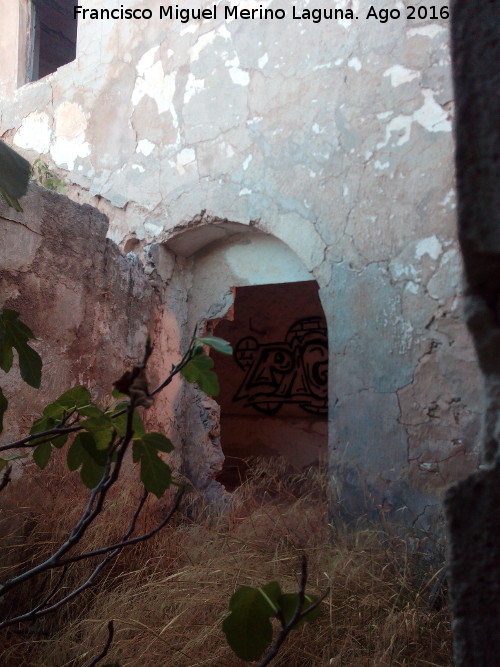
{"x":252,"y":289}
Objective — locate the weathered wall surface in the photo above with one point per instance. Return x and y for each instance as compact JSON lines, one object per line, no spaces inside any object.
{"x":334,"y":137}
{"x":473,"y":505}
{"x":89,"y":307}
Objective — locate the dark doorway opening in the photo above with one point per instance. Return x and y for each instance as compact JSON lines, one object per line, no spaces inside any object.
{"x":53,"y":36}
{"x":273,"y":398}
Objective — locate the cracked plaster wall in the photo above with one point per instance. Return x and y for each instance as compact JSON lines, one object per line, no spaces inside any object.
{"x":335,"y":138}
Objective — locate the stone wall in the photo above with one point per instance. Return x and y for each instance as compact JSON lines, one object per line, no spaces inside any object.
{"x":89,"y":306}
{"x":332,"y":137}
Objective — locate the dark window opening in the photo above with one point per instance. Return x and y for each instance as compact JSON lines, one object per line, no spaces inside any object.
{"x":53,"y":37}
{"x":274,"y":389}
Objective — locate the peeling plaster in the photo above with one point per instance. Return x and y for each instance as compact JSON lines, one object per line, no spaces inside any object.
{"x":431,"y":115}
{"x":201,"y":44}
{"x":193,"y":85}
{"x":145,"y":147}
{"x":35,"y":132}
{"x":155,"y":84}
{"x":400,"y":75}
{"x":430,"y":246}
{"x":147,"y":60}
{"x":263,"y":60}
{"x":400,"y":125}
{"x":239,"y":76}
{"x":430,"y":31}
{"x":355,"y":64}
{"x":69,"y":143}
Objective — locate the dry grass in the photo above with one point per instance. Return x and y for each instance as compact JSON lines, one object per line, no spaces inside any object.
{"x":169,"y":596}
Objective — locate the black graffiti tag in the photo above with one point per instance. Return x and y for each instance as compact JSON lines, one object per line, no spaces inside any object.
{"x":294,"y":371}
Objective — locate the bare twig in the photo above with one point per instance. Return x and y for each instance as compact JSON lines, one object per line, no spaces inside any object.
{"x":297,"y":617}
{"x":88,"y":516}
{"x":94,"y":506}
{"x":53,"y":590}
{"x":134,"y":540}
{"x":104,"y":652}
{"x":115,"y":549}
{"x":178,"y":367}
{"x":46,"y":436}
{"x":37,"y":612}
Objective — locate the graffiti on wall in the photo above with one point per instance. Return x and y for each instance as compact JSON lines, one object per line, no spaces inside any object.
{"x":294,"y":371}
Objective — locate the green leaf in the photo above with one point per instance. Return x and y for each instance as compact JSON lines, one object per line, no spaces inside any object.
{"x":60,"y":441}
{"x":30,"y":365}
{"x":156,"y":475}
{"x":102,"y":429}
{"x":248,"y":629}
{"x":218,"y":344}
{"x":90,"y":447}
{"x":272,"y":594}
{"x":137,"y":448}
{"x":76,"y":398}
{"x":46,"y":424}
{"x":12,"y":457}
{"x":103,"y":438}
{"x":42,"y":453}
{"x":76,"y":454}
{"x":91,"y":411}
{"x":198,"y":370}
{"x":158,"y":441}
{"x":265,"y":598}
{"x":23,"y":328}
{"x":3,"y":407}
{"x":11,"y":201}
{"x":118,"y":394}
{"x":43,"y":175}
{"x":138,"y":424}
{"x":43,"y":424}
{"x":99,"y":422}
{"x":91,"y":473}
{"x":6,"y":354}
{"x":15,"y":334}
{"x":14,"y":171}
{"x":288,"y":605}
{"x":120,"y":423}
{"x":84,"y":452}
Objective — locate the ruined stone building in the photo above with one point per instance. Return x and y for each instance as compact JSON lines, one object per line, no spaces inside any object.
{"x":276,"y":174}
